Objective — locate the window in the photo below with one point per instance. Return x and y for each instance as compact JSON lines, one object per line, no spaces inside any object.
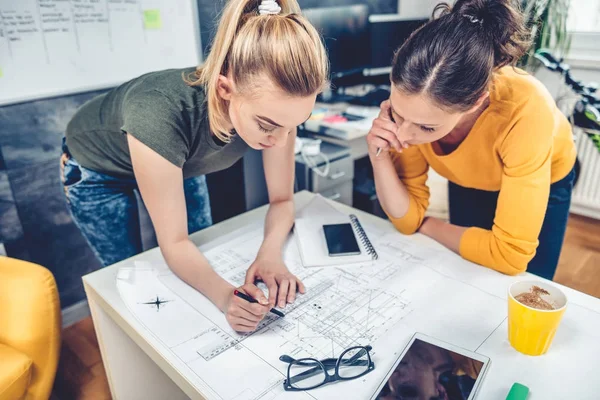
{"x":584,"y":16}
{"x":584,"y":24}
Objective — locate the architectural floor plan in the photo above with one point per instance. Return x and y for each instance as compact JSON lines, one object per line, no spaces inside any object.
{"x":380,"y":303}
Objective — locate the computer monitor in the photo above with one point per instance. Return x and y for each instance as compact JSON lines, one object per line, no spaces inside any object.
{"x":346,"y":34}
{"x":388,"y":33}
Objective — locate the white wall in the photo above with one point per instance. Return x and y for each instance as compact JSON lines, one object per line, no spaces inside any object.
{"x":416,"y":8}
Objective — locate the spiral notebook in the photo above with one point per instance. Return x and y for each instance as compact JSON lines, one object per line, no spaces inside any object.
{"x":310,"y":237}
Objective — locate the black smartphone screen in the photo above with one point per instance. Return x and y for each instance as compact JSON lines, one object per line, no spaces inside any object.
{"x":341,"y":240}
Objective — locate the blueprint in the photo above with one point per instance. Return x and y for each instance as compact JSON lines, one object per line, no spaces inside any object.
{"x":379,"y":303}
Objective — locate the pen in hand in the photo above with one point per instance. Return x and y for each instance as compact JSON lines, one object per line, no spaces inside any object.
{"x":379,"y":149}
{"x":253,"y":300}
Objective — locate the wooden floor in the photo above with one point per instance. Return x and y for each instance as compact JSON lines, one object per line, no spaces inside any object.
{"x":81,"y":374}
{"x":579,"y":265}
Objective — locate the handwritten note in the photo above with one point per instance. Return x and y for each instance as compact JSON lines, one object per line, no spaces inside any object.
{"x":56,"y":16}
{"x":88,"y":12}
{"x":20,"y":24}
{"x":152,"y":19}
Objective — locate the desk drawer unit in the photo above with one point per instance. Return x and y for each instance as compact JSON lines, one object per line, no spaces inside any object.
{"x":340,"y":171}
{"x":341,"y":193}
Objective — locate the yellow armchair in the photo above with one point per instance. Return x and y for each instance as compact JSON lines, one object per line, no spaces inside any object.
{"x":30,"y":324}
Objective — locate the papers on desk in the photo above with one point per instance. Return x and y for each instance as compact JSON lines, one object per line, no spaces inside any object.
{"x":414,"y":286}
{"x":346,"y":129}
{"x":379,"y":303}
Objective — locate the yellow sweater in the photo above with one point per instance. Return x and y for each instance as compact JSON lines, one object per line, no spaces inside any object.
{"x":519,"y":146}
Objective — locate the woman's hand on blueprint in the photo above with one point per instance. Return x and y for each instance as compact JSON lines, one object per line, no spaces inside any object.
{"x":281,"y":282}
{"x":242,"y":315}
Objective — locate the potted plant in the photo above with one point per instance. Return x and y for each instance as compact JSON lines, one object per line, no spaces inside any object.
{"x":547,"y":20}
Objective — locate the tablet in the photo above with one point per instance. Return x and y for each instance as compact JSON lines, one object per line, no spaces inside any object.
{"x":431,"y":369}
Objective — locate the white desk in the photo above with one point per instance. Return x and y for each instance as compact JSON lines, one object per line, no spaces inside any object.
{"x":137,"y":369}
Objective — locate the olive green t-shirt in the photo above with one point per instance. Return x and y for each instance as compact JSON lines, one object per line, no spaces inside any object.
{"x":160,"y":110}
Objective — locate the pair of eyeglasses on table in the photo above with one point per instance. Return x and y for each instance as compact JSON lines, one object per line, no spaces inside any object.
{"x":310,"y":373}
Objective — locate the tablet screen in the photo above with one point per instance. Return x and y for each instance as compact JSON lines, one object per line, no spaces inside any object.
{"x":430,"y":372}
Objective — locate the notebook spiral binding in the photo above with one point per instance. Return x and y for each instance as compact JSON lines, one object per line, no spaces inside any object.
{"x":362,"y":235}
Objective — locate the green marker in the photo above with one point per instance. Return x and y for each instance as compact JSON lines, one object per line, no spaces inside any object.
{"x":518,"y":392}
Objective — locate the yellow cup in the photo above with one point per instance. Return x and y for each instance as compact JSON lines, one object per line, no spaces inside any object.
{"x":530,"y":331}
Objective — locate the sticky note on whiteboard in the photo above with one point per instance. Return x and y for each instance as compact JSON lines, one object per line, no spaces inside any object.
{"x":152,"y":19}
{"x":1,"y":73}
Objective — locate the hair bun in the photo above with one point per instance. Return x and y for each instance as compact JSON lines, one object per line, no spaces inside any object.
{"x":503,"y":23}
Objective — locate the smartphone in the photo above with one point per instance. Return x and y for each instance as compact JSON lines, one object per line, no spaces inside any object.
{"x":341,"y":240}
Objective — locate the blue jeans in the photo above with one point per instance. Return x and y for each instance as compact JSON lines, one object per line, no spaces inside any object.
{"x":105,"y":209}
{"x":472,"y":207}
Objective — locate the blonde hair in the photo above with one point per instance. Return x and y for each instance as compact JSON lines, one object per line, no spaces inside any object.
{"x":285,"y":47}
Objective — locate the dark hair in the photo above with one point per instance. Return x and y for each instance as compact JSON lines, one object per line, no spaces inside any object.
{"x":452,"y":58}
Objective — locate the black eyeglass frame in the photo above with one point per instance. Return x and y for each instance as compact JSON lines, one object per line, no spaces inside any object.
{"x":324,"y":366}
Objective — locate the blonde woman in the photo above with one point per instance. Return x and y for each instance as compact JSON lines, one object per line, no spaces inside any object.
{"x":163,"y":131}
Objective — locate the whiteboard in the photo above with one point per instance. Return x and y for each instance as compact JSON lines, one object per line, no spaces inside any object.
{"x":56,"y":47}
